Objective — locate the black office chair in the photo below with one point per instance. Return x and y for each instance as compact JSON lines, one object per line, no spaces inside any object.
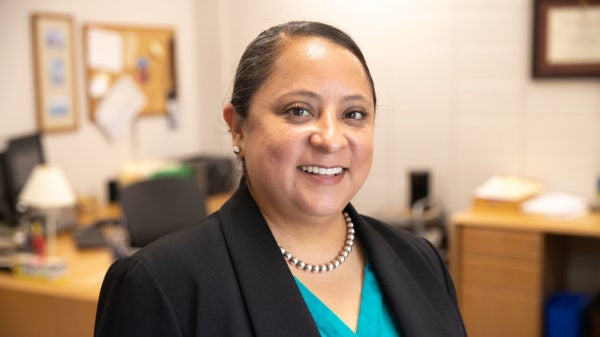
{"x":153,"y":208}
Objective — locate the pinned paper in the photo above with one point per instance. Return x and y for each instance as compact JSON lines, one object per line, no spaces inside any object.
{"x":105,"y":50}
{"x":99,"y":85}
{"x":117,"y":111}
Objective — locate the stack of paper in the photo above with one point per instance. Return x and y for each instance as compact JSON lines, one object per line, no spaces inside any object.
{"x":556,"y":204}
{"x":507,"y":188}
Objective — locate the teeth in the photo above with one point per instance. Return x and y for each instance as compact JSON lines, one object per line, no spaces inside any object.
{"x":322,"y":170}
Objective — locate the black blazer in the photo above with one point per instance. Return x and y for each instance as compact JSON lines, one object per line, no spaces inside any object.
{"x":226,"y":277}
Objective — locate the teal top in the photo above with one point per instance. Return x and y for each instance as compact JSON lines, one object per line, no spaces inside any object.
{"x":374,"y":319}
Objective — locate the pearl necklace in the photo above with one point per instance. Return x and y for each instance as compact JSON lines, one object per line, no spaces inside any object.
{"x":333,"y":264}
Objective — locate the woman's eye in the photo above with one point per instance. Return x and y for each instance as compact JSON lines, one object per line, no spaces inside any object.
{"x":355,"y":115}
{"x":298,"y":111}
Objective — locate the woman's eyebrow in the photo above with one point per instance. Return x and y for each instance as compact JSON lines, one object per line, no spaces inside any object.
{"x":356,"y":97}
{"x":314,"y":95}
{"x":301,"y":92}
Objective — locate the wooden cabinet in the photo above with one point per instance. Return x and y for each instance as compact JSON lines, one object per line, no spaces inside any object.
{"x":500,"y":283}
{"x":504,"y":265}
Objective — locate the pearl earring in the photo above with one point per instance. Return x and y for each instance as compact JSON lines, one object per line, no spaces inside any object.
{"x":236,"y":150}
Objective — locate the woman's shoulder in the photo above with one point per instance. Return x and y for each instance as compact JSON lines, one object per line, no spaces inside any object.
{"x":165,"y":283}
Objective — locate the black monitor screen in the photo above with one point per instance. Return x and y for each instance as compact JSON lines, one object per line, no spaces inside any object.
{"x":21,"y":156}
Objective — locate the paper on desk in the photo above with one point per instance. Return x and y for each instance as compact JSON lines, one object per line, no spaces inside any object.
{"x":507,"y":188}
{"x":556,"y":204}
{"x":116,"y":112}
{"x":105,"y":50}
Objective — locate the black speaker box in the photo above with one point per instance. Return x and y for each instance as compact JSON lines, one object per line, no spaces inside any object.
{"x":6,"y":208}
{"x":419,"y":185}
{"x":113,"y":191}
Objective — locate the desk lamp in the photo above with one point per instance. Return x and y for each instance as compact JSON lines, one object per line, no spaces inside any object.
{"x":48,"y":190}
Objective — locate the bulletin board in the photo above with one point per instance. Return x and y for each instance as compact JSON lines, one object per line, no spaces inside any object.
{"x":144,"y":56}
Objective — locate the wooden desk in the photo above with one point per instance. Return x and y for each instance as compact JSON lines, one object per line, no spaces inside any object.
{"x":505,"y":264}
{"x":66,"y":308}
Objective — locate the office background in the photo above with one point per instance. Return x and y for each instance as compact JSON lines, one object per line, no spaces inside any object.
{"x":453,"y":77}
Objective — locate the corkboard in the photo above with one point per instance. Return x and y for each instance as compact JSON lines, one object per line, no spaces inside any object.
{"x":146,"y":54}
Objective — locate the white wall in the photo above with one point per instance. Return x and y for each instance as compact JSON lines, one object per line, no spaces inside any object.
{"x":88,"y":158}
{"x":455,"y":94}
{"x":453,"y":81}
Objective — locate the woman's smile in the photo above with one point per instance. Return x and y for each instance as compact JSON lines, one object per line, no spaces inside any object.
{"x":322,"y":171}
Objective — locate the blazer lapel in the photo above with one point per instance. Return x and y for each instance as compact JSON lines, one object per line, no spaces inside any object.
{"x":274,"y":303}
{"x":414,"y":309}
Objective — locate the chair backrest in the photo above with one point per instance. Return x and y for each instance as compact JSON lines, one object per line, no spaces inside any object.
{"x":153,"y":208}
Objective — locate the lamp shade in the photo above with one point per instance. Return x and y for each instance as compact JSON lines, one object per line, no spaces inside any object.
{"x":47,"y":188}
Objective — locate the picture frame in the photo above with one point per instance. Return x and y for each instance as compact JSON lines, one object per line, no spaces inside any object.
{"x":566,"y":38}
{"x":54,"y":68}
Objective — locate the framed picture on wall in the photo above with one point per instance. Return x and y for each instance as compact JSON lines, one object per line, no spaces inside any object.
{"x":53,"y":58}
{"x":566,"y":38}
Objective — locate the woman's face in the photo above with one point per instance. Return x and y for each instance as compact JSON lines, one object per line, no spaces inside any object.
{"x":308,"y":138}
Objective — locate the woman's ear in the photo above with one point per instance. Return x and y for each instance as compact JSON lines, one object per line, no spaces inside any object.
{"x":235,"y":124}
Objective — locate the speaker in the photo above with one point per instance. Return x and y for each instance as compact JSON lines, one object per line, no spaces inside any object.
{"x":7,"y":215}
{"x":113,"y":191}
{"x":419,"y":185}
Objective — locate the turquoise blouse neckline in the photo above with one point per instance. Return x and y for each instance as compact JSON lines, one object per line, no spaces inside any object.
{"x":374,"y":320}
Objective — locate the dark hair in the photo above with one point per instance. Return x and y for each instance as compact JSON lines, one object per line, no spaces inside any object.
{"x":257,"y":61}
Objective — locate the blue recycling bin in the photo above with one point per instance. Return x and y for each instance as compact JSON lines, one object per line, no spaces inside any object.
{"x":565,"y":314}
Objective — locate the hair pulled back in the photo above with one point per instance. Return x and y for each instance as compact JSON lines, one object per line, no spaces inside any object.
{"x":257,"y":60}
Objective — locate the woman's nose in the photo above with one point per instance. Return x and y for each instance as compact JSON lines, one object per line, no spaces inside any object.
{"x":329,"y":134}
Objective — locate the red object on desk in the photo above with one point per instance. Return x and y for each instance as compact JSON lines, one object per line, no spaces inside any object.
{"x":38,"y":245}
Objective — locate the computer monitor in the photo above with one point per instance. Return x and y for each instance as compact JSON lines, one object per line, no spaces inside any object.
{"x":22,"y":154}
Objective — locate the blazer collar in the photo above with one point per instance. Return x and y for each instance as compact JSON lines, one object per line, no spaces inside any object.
{"x":274,"y":303}
{"x":411,"y":305}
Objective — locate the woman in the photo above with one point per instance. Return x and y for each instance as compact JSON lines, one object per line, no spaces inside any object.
{"x":288,"y":255}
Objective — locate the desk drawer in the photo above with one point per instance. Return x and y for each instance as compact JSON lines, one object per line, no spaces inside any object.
{"x":495,"y":312}
{"x":516,"y":244}
{"x":502,"y":272}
